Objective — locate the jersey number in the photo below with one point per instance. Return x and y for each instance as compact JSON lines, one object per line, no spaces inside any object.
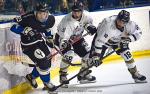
{"x":68,"y":58}
{"x":128,"y":55}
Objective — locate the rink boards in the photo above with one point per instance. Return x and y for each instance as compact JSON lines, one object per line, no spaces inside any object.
{"x":10,"y":51}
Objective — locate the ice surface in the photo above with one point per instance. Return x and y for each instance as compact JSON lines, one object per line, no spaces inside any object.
{"x":112,"y":78}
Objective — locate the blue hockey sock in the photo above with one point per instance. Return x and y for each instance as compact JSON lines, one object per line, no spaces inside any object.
{"x":45,"y":78}
{"x":35,"y":73}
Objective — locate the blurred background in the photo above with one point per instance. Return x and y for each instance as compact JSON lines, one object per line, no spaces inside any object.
{"x":59,"y":7}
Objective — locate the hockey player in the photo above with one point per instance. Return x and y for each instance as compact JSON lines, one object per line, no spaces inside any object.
{"x":70,"y":28}
{"x":33,"y":28}
{"x":117,"y":32}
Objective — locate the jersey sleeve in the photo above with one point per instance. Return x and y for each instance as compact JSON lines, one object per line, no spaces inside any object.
{"x":103,"y":35}
{"x":88,"y":21}
{"x":23,"y":20}
{"x":18,"y":29}
{"x":49,"y":24}
{"x":68,"y":31}
{"x":134,"y":31}
{"x":48,"y":32}
{"x":51,"y":21}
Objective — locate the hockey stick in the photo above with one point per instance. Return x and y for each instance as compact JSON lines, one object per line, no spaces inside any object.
{"x":63,"y":56}
{"x":83,"y":70}
{"x":6,"y":21}
{"x":50,"y":56}
{"x":58,"y":51}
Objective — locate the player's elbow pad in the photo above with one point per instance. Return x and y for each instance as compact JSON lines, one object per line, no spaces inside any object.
{"x":135,"y":37}
{"x":17,"y":29}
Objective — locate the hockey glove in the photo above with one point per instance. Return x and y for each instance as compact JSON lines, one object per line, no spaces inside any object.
{"x":32,"y":34}
{"x":91,"y":29}
{"x":64,"y":44}
{"x":124,"y":42}
{"x":95,"y":61}
{"x":50,"y":41}
{"x":29,"y":31}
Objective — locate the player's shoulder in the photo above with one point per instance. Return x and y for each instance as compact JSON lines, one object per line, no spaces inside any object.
{"x":111,"y":18}
{"x":131,"y":24}
{"x":67,"y":17}
{"x":51,"y":21}
{"x":86,"y":13}
{"x":51,"y":18}
{"x":28,"y":15}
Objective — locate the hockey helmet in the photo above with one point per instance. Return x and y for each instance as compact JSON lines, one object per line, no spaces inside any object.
{"x":43,"y":7}
{"x":124,"y":16}
{"x":77,"y":7}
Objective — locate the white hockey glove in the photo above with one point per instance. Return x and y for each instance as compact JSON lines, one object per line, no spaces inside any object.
{"x":64,"y":44}
{"x":124,"y":42}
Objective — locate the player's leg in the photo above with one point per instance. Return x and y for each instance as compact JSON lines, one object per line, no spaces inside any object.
{"x":132,"y":67}
{"x":81,"y":48}
{"x":44,"y":65}
{"x":66,"y":59}
{"x":31,"y":78}
{"x":130,"y":63}
{"x":38,"y":56}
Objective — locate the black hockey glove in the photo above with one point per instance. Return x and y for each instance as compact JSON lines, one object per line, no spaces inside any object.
{"x":91,"y":29}
{"x":124,"y":42}
{"x":32,"y":34}
{"x":49,"y":41}
{"x":64,"y":44}
{"x":29,"y":31}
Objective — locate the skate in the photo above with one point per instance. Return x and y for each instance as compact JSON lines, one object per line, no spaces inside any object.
{"x":138,"y":78}
{"x":85,"y":77}
{"x":63,"y":79}
{"x":49,"y":86}
{"x":31,"y":80}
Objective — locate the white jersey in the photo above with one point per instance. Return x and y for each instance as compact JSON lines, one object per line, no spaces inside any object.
{"x":70,"y":27}
{"x":107,"y":31}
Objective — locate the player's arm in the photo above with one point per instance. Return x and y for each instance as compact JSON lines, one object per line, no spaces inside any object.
{"x":133,"y":34}
{"x":89,"y":27}
{"x":64,"y":43}
{"x":48,"y":33}
{"x":103,"y":35}
{"x":16,"y":28}
{"x":20,"y":24}
{"x":49,"y":38}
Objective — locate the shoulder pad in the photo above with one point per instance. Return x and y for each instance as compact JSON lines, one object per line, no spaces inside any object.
{"x":50,"y":21}
{"x":29,"y":14}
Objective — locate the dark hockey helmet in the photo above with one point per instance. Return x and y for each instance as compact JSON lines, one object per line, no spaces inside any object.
{"x":77,"y":7}
{"x":124,"y":16}
{"x":43,"y":7}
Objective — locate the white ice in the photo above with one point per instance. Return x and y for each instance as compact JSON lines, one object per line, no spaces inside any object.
{"x":112,"y":78}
